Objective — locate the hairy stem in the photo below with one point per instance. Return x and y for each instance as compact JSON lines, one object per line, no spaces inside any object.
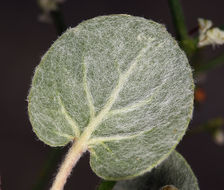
{"x":55,"y":155}
{"x":74,"y":153}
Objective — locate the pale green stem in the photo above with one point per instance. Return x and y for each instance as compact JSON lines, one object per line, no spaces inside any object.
{"x":178,"y":19}
{"x":74,"y":154}
{"x":54,"y":155}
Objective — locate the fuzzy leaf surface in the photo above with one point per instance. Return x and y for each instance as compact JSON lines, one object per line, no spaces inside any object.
{"x":173,"y":173}
{"x":123,"y":83}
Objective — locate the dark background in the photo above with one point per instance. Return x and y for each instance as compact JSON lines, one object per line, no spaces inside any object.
{"x":23,"y":40}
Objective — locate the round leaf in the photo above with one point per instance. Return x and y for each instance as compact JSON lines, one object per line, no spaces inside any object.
{"x":173,"y":174}
{"x":123,"y":83}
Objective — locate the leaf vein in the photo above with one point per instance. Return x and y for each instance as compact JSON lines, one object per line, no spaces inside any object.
{"x":87,"y":91}
{"x":131,"y":107}
{"x":138,"y":104}
{"x":63,"y":135}
{"x":114,"y":95}
{"x":100,"y":140}
{"x":71,"y":122}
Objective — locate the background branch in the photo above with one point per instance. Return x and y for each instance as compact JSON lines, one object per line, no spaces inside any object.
{"x":210,"y":127}
{"x":187,"y":43}
{"x":58,"y":21}
{"x":211,"y":64}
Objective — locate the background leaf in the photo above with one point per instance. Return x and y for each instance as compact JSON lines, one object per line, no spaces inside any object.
{"x":119,"y":84}
{"x":173,"y":171}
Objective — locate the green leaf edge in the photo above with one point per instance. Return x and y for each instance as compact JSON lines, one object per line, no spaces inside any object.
{"x":36,"y":71}
{"x":177,"y":154}
{"x":189,"y":167}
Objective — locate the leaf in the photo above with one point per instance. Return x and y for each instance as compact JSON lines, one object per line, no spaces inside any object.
{"x":121,"y":85}
{"x":169,"y":187}
{"x":174,"y":173}
{"x":106,"y":185}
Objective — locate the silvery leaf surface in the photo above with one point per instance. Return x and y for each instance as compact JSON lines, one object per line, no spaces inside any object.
{"x":121,"y":80}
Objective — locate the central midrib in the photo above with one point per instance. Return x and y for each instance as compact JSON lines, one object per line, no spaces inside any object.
{"x":115,"y":93}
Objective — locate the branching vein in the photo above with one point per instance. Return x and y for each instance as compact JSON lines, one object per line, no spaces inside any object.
{"x":131,"y":107}
{"x":63,"y":135}
{"x":72,"y":122}
{"x":100,"y":140}
{"x":114,"y":95}
{"x":87,"y":91}
{"x":137,"y":104}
